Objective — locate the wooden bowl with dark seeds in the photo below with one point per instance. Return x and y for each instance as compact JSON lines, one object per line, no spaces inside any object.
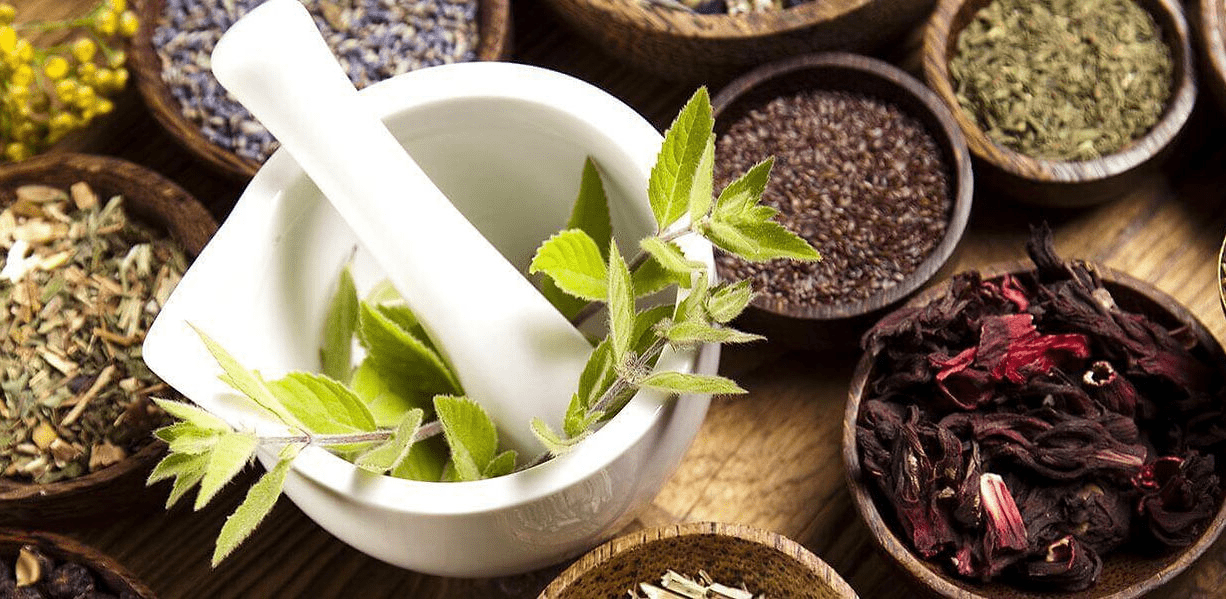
{"x":1126,"y":573}
{"x":105,"y":574}
{"x":1053,"y":182}
{"x":835,"y":319}
{"x":494,"y":34}
{"x":766,"y":563}
{"x":161,"y":205}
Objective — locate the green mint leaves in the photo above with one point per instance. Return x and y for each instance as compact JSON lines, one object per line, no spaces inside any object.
{"x":683,"y":173}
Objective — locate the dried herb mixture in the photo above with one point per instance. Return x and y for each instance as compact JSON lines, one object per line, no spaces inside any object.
{"x":1023,"y":427}
{"x":35,"y":575}
{"x":79,"y":286}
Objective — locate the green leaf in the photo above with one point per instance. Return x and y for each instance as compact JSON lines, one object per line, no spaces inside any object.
{"x":502,"y":465}
{"x":573,"y":260}
{"x":401,"y":357}
{"x":192,"y":415}
{"x":620,"y":305}
{"x":736,"y":201}
{"x":469,"y":432}
{"x":335,"y":355}
{"x":322,"y":404}
{"x":650,"y":277}
{"x":774,"y":241}
{"x":187,"y":438}
{"x":684,"y":333}
{"x":257,"y":504}
{"x":182,"y":467}
{"x":704,"y":182}
{"x":726,"y":303}
{"x":425,"y":461}
{"x":389,"y":454}
{"x":669,"y":256}
{"x":692,"y":307}
{"x":591,"y":211}
{"x":554,"y":444}
{"x":674,"y":176}
{"x":403,"y":316}
{"x":387,"y":400}
{"x":677,"y":382}
{"x":247,"y":382}
{"x":189,"y":478}
{"x":231,"y":452}
{"x":730,"y":238}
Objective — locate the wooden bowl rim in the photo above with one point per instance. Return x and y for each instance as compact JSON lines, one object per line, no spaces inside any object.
{"x":596,"y":558}
{"x":645,"y":15}
{"x":63,"y":547}
{"x":949,"y":134}
{"x":1211,"y":27}
{"x":937,"y":39}
{"x":494,"y":33}
{"x":82,"y":166}
{"x":919,"y":570}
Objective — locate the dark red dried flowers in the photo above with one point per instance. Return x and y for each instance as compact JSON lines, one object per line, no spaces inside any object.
{"x":1022,"y":427}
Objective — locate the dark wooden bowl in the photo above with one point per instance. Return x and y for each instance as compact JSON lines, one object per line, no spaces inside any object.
{"x":61,"y":548}
{"x":1061,"y":183}
{"x":494,"y":30}
{"x":693,"y":47}
{"x":765,"y":562}
{"x":163,"y":205}
{"x":840,"y":324}
{"x":1124,"y":575}
{"x":1210,"y":31}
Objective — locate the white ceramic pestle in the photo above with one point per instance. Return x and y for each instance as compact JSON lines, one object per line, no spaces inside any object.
{"x":512,"y":351}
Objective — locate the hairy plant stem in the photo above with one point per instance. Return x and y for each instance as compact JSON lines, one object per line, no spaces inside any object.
{"x":425,"y":431}
{"x":639,"y":260}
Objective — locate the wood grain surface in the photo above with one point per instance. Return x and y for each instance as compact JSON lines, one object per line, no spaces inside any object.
{"x":770,"y":459}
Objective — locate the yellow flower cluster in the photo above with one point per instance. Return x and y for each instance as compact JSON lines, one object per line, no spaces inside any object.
{"x":45,"y":93}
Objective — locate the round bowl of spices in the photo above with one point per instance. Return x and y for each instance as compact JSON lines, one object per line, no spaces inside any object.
{"x":1062,"y":102}
{"x":372,"y":39}
{"x":869,"y":167}
{"x":1031,"y":430}
{"x":90,"y":248}
{"x":1211,"y":33}
{"x":717,"y":39}
{"x":40,"y":564}
{"x":700,"y":559}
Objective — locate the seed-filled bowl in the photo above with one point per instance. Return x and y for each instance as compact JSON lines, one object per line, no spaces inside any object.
{"x":761,"y":562}
{"x":149,"y":199}
{"x":372,"y":39}
{"x":506,"y":144}
{"x":57,"y":566}
{"x":688,"y":46}
{"x":1100,"y":130}
{"x":1024,"y":496}
{"x":869,"y":167}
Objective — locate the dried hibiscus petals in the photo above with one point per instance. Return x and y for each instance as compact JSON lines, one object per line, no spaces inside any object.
{"x":1022,"y":427}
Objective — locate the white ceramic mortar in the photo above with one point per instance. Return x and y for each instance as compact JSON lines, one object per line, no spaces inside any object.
{"x":506,"y":143}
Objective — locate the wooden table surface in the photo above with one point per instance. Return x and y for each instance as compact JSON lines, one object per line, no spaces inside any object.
{"x":770,"y":459}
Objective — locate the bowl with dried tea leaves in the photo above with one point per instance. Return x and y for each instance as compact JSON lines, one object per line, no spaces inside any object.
{"x":1030,"y":430}
{"x":92,"y":247}
{"x":1063,"y":102}
{"x":700,"y":560}
{"x":868,"y":166}
{"x":41,"y":564}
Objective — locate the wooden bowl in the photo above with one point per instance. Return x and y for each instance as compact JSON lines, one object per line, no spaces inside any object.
{"x":840,"y":324}
{"x":1210,"y":31}
{"x":1063,"y":183}
{"x":122,"y":583}
{"x":733,"y":554}
{"x":1124,"y":574}
{"x":494,"y":31}
{"x":693,"y":47}
{"x":161,"y":204}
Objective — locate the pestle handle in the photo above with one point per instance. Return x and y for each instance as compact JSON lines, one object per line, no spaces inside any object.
{"x":512,"y":351}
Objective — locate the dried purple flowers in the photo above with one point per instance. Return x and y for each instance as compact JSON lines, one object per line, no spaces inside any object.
{"x":1022,"y":427}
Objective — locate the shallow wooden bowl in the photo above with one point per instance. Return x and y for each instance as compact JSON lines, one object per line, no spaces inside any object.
{"x":494,"y":30}
{"x":161,"y":204}
{"x":1124,"y":575}
{"x":692,"y":47}
{"x":1063,"y":183}
{"x":122,"y":582}
{"x":841,"y":324}
{"x":733,"y":554}
{"x":1210,"y":33}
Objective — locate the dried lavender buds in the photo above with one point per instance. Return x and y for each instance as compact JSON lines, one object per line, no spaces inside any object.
{"x":79,"y":286}
{"x":855,"y":176}
{"x":1024,"y":427}
{"x":372,"y":39}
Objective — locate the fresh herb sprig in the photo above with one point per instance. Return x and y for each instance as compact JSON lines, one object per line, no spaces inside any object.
{"x":402,"y":412}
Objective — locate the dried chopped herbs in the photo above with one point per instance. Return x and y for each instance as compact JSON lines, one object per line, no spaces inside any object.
{"x":79,"y":286}
{"x":1063,"y":79}
{"x":1023,"y":427}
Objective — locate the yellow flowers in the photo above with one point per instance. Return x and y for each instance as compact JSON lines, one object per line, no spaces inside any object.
{"x":49,"y":92}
